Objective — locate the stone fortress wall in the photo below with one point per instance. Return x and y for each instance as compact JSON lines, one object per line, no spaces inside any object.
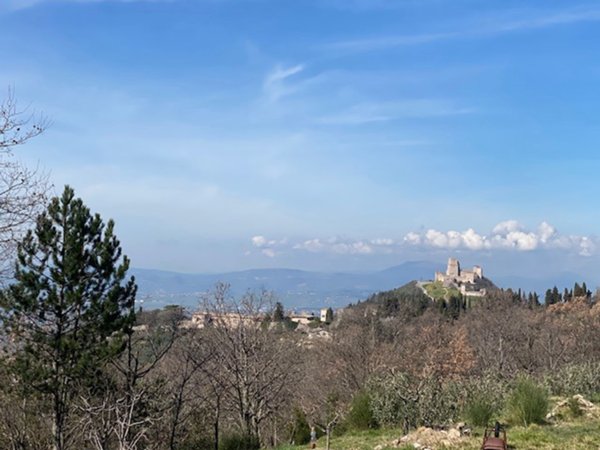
{"x":465,"y":280}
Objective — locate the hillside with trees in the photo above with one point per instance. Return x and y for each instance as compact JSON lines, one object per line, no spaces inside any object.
{"x":84,"y":369}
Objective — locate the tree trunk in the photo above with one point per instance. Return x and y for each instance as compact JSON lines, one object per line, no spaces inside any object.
{"x":216,"y":424}
{"x":58,"y":425}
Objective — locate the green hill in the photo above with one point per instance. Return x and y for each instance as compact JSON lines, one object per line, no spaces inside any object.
{"x":408,"y":298}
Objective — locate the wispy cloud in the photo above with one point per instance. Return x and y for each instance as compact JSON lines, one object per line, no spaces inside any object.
{"x":534,"y":22}
{"x":14,"y":5}
{"x":385,"y":111}
{"x":275,"y":86}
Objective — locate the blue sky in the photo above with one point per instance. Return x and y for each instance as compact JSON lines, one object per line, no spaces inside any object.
{"x":320,"y":134}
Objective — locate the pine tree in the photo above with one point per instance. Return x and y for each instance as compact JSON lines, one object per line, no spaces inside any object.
{"x":556,"y":297}
{"x":70,"y":306}
{"x":278,"y":313}
{"x":548,"y":298}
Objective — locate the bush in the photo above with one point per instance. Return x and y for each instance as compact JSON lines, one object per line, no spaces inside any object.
{"x":361,"y":414}
{"x":528,"y":403}
{"x":237,"y":441}
{"x":200,"y":443}
{"x":399,"y":400}
{"x":300,"y":430}
{"x":583,"y":379}
{"x":483,"y":398}
{"x":479,"y":411}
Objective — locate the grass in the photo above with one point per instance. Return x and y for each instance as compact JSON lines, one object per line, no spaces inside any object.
{"x":437,"y":290}
{"x":578,"y":434}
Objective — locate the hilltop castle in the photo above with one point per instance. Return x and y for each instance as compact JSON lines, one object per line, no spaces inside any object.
{"x":466,"y":280}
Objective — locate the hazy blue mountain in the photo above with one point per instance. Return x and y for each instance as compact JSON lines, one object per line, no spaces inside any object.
{"x":296,"y":288}
{"x":299,"y":289}
{"x":561,"y":280}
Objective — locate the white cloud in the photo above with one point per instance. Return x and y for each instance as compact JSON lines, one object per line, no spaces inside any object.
{"x":268,"y":252}
{"x":259,"y":241}
{"x":507,"y":226}
{"x":472,"y":240}
{"x":586,"y":247}
{"x":412,"y":238}
{"x":509,"y":234}
{"x":311,"y":245}
{"x":336,"y":245}
{"x":546,"y":232}
{"x":505,"y":236}
{"x":267,"y":247}
{"x":383,"y":242}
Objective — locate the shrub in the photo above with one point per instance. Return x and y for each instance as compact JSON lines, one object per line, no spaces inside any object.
{"x":399,"y":399}
{"x":390,"y":399}
{"x":236,"y":441}
{"x":479,"y":411}
{"x":583,"y":379}
{"x":360,"y":416}
{"x":528,"y":403}
{"x":200,"y":443}
{"x":300,"y":430}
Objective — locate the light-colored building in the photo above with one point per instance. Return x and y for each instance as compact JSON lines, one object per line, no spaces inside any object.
{"x":454,"y":274}
{"x":302,"y":319}
{"x":465,"y":280}
{"x":326,"y":315}
{"x":201,"y":319}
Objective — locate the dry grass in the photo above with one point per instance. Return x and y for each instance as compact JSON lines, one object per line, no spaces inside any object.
{"x":573,"y":435}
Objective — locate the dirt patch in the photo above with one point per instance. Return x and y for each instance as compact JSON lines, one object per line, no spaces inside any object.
{"x":429,"y":439}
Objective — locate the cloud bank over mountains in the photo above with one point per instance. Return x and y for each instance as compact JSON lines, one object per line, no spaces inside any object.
{"x":509,"y":235}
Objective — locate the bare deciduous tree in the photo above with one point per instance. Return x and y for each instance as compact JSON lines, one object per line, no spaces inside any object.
{"x":22,"y":190}
{"x":257,"y":365}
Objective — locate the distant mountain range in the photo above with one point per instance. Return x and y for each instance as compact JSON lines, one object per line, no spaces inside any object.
{"x":306,"y":290}
{"x":297,"y":289}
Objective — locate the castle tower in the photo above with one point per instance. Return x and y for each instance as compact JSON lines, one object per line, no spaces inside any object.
{"x":453,"y":270}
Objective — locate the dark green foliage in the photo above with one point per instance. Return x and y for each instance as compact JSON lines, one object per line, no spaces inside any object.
{"x":278,"y":313}
{"x":200,"y":443}
{"x":360,"y":416}
{"x":408,"y":300}
{"x":156,"y":318}
{"x":329,"y":316}
{"x":479,"y":411}
{"x":552,"y":296}
{"x":300,"y":429}
{"x":70,"y":306}
{"x":454,"y":307}
{"x":528,"y":403}
{"x":236,"y":441}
